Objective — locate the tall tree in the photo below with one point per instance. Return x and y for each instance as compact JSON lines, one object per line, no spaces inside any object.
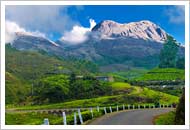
{"x":168,"y":54}
{"x":180,"y":111}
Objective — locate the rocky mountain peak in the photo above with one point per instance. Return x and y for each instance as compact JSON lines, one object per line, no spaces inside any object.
{"x":144,"y":29}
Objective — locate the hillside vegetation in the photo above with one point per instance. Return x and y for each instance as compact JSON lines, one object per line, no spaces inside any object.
{"x":163,"y":74}
{"x":130,"y":95}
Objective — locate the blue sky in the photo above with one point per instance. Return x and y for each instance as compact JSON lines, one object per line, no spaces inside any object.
{"x":54,"y":21}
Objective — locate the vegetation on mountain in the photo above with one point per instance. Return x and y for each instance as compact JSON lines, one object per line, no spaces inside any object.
{"x":16,"y":90}
{"x":122,"y":93}
{"x":168,"y":55}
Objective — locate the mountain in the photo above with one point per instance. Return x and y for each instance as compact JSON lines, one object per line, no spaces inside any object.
{"x":145,"y":30}
{"x":110,"y":44}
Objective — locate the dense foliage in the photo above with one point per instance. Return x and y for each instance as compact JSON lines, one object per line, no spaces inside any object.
{"x":180,"y":111}
{"x":168,"y":54}
{"x":16,"y":90}
{"x":59,"y":88}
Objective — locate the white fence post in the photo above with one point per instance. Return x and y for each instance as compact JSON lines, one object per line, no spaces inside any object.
{"x":75,"y":118}
{"x":128,"y":106}
{"x":138,"y":106}
{"x":80,"y":116}
{"x":98,"y":109}
{"x":64,"y":118}
{"x":144,"y":106}
{"x":46,"y":121}
{"x":105,"y":110}
{"x":110,"y":109}
{"x":123,"y":107}
{"x":117,"y":108}
{"x":91,"y":112}
{"x":133,"y":106}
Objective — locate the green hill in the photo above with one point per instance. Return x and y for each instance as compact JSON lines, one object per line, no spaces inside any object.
{"x":31,"y":65}
{"x":16,"y":90}
{"x":135,"y":95}
{"x":26,"y":67}
{"x":163,"y":74}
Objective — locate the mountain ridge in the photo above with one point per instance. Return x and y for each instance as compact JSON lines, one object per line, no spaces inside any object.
{"x":117,"y":46}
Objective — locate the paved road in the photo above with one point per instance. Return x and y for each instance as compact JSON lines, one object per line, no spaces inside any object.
{"x":131,"y":117}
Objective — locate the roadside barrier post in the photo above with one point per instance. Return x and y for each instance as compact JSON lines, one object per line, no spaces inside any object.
{"x":117,"y":108}
{"x":144,"y":106}
{"x":138,"y":106}
{"x":110,"y":109}
{"x":163,"y":106}
{"x":105,"y":110}
{"x":91,"y":112}
{"x":80,"y":116}
{"x":46,"y":121}
{"x":64,"y":118}
{"x":149,"y":106}
{"x":123,"y":107}
{"x":133,"y":106}
{"x":160,"y":106}
{"x":98,"y":109}
{"x":75,"y":118}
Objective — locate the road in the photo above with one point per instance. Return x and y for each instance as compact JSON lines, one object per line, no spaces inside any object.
{"x":130,"y":117}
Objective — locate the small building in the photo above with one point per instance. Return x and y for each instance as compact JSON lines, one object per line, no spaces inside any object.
{"x":101,"y":78}
{"x":105,"y":78}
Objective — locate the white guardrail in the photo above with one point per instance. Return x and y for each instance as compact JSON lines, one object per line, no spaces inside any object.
{"x":129,"y":107}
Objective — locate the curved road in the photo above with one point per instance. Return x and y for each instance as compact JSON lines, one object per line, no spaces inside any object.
{"x":130,"y":117}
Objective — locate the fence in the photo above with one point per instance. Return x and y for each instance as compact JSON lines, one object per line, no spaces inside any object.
{"x":106,"y":110}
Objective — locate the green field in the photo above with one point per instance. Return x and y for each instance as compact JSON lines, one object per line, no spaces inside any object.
{"x":163,"y":74}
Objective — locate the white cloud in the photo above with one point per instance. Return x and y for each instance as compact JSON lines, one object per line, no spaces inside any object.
{"x":78,"y":34}
{"x":45,"y":18}
{"x":176,"y":14}
{"x":11,"y":28}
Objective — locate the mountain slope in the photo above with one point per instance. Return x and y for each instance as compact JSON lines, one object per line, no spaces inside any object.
{"x":110,"y":45}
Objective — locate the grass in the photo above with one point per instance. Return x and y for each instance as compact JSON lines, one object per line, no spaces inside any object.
{"x":163,"y":74}
{"x":120,"y":86}
{"x":137,"y":95}
{"x":34,"y":118}
{"x":165,"y":119}
{"x":129,"y":74}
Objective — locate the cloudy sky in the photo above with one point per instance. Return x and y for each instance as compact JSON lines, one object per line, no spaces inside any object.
{"x":73,"y":22}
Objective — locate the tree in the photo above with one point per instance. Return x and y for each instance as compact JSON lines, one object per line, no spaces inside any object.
{"x":180,"y":111}
{"x":52,"y":89}
{"x":168,"y":53}
{"x":180,"y":64}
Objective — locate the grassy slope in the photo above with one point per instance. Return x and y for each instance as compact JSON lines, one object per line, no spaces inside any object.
{"x":137,"y":95}
{"x":16,"y":90}
{"x":36,"y":65}
{"x":33,"y":118}
{"x":165,"y":119}
{"x":129,"y":74}
{"x":163,"y":74}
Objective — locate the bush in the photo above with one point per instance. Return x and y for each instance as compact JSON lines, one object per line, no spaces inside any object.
{"x":180,"y":111}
